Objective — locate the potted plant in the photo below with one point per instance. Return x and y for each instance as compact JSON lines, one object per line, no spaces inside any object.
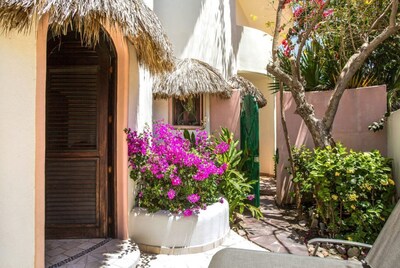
{"x":179,"y":207}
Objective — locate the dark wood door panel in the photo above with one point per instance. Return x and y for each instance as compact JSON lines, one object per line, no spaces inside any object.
{"x":77,"y":107}
{"x":72,"y":196}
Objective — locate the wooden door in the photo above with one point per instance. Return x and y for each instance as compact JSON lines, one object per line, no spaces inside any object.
{"x":77,"y":153}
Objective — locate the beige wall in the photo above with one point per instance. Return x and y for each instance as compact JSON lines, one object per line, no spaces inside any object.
{"x":17,"y":143}
{"x":259,"y":14}
{"x":266,"y":122}
{"x":393,"y":139}
{"x":358,"y":109}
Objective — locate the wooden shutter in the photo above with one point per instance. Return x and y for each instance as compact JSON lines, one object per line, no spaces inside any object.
{"x":76,"y":140}
{"x":72,"y":109}
{"x":71,"y":186}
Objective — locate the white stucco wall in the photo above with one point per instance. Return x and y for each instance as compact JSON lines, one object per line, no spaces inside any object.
{"x":140,"y":94}
{"x":17,"y":145}
{"x":201,"y":29}
{"x":266,"y":122}
{"x":139,"y":107}
{"x":393,"y":134}
{"x":255,"y":50}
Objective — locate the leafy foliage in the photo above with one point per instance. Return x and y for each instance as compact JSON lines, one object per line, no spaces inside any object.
{"x":335,"y":40}
{"x":234,"y":186}
{"x":352,"y":191}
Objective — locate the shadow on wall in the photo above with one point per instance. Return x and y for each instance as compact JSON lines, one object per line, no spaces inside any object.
{"x":358,"y":109}
{"x":211,"y":40}
{"x":204,"y":29}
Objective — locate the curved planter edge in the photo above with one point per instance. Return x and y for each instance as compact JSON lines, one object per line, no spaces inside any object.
{"x":166,"y":233}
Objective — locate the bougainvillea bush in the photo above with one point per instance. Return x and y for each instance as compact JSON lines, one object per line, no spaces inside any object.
{"x":175,"y":173}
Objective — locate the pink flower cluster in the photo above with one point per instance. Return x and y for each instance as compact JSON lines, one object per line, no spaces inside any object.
{"x":304,"y":13}
{"x":169,"y":165}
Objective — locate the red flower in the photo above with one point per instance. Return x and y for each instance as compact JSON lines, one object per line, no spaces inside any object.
{"x":298,"y":11}
{"x":320,"y":2}
{"x":327,"y":12}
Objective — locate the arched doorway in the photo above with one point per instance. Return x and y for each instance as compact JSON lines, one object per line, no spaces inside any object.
{"x":80,"y":134}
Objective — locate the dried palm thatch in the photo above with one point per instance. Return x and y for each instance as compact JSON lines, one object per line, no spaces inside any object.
{"x":191,"y":77}
{"x":136,"y":21}
{"x":247,"y":88}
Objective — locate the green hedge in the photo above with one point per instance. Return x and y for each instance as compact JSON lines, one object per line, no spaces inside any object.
{"x":352,"y":192}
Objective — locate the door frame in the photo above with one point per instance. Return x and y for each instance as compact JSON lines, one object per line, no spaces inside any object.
{"x":126,"y":60}
{"x":106,"y":90}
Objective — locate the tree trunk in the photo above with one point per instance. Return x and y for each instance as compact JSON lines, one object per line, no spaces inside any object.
{"x":289,"y":148}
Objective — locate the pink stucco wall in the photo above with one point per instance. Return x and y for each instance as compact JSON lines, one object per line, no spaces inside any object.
{"x":225,"y":113}
{"x":358,"y":109}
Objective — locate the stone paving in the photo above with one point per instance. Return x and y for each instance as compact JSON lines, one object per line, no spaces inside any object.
{"x":278,"y":231}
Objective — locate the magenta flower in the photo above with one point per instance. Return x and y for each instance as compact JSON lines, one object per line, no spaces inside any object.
{"x":188,"y":212}
{"x":171,"y":194}
{"x":140,"y":194}
{"x":224,"y":166}
{"x":175,"y":180}
{"x":221,"y":200}
{"x":250,"y":197}
{"x":193,"y":198}
{"x":221,"y":148}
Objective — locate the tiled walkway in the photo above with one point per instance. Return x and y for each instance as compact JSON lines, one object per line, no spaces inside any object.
{"x":278,"y":231}
{"x":88,"y":253}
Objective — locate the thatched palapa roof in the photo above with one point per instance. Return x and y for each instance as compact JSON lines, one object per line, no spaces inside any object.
{"x":247,"y":88}
{"x":191,"y":77}
{"x":137,"y":21}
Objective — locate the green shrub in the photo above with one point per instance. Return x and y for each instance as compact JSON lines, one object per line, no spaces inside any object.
{"x":234,"y":186}
{"x":352,"y":191}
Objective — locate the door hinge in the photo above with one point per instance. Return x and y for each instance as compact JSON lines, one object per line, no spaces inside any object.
{"x":110,"y":220}
{"x":111,"y":70}
{"x":110,"y":119}
{"x":109,"y":169}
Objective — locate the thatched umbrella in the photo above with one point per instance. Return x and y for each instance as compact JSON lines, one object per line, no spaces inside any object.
{"x":191,"y":77}
{"x":247,"y":88}
{"x":137,"y":21}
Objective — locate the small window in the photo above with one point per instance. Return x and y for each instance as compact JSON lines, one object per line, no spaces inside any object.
{"x":188,"y":112}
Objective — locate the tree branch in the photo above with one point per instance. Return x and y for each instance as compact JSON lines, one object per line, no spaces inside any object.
{"x":352,"y":65}
{"x":393,"y":14}
{"x":276,"y":32}
{"x":380,"y":17}
{"x":279,"y":74}
{"x":295,"y":69}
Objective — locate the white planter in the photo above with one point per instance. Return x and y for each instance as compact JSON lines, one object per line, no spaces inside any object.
{"x":167,"y":233}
